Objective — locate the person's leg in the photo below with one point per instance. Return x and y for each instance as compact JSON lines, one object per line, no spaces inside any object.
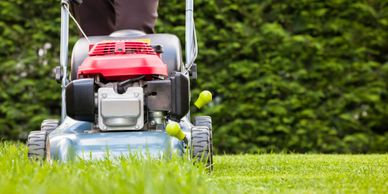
{"x":96,"y":17}
{"x":136,"y":14}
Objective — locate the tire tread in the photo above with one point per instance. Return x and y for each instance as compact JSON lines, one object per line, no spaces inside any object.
{"x":36,"y":144}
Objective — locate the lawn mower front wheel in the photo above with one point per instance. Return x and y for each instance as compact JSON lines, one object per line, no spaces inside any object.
{"x":201,"y":145}
{"x":207,"y":122}
{"x":36,"y":144}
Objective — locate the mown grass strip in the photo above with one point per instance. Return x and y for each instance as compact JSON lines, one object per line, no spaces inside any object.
{"x":296,"y":173}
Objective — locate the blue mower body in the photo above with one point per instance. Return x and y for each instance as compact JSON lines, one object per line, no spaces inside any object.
{"x":74,"y":140}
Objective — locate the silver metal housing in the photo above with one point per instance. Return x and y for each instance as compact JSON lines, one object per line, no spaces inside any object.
{"x":118,"y":112}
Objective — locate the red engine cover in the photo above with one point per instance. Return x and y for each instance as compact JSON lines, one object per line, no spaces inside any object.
{"x":120,"y":60}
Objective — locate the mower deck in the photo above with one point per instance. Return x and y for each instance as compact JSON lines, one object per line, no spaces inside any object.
{"x":73,"y":140}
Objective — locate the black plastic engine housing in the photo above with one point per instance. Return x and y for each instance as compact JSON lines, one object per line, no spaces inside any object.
{"x":172,"y":95}
{"x":180,"y":97}
{"x":80,"y":103}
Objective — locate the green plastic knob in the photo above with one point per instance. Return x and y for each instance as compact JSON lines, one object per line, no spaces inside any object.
{"x":204,"y":98}
{"x":173,"y":129}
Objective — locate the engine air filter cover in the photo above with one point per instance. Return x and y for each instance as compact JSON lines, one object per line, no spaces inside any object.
{"x":118,"y":112}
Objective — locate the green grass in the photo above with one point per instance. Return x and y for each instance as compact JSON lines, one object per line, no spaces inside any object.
{"x":274,"y":173}
{"x":270,"y":173}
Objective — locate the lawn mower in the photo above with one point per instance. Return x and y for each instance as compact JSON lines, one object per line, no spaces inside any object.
{"x":128,"y":92}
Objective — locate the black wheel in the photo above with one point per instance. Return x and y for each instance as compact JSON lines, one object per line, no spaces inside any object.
{"x":49,"y":125}
{"x":36,"y":144}
{"x":201,"y":145}
{"x":203,"y":121}
{"x":207,"y":122}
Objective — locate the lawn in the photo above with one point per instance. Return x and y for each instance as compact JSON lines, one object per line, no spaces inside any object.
{"x":281,"y":173}
{"x":269,"y":173}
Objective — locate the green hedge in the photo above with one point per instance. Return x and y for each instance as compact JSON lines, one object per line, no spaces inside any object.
{"x":296,"y":75}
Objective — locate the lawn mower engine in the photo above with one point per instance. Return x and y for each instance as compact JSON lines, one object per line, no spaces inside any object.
{"x":124,"y":86}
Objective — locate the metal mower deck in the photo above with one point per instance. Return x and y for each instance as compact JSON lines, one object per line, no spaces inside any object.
{"x":73,"y":140}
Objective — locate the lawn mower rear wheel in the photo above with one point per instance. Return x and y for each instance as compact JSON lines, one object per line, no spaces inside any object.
{"x":49,"y":125}
{"x":203,"y":121}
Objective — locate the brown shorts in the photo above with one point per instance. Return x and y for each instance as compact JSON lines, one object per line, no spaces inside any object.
{"x":102,"y":17}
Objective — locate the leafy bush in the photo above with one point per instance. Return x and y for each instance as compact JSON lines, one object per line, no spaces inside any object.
{"x":300,"y":75}
{"x":28,"y":94}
